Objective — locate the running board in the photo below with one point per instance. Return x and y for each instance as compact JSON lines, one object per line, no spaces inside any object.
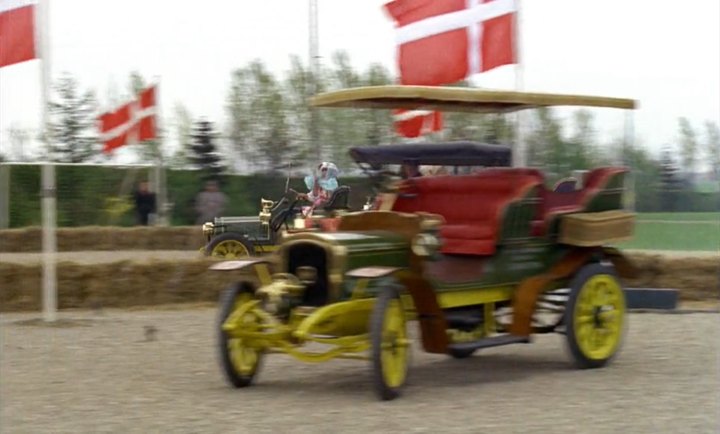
{"x":494,"y":341}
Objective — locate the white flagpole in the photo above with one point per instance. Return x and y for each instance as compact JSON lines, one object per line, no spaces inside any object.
{"x":160,"y":188}
{"x":314,"y":66}
{"x":519,"y":156}
{"x":49,"y":241}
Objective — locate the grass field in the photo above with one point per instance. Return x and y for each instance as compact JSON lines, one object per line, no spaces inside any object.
{"x":676,"y":231}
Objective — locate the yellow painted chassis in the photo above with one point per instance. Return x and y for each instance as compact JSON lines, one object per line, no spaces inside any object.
{"x":342,"y":325}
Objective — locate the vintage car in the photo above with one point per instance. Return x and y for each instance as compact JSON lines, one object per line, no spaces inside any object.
{"x":477,"y":260}
{"x":238,"y":237}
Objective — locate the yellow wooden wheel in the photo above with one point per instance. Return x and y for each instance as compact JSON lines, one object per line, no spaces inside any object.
{"x":595,"y":316}
{"x":390,"y":344}
{"x":229,"y":246}
{"x":240,"y":362}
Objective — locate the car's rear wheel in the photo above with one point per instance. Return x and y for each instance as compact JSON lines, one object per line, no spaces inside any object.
{"x":230,"y":245}
{"x":389,"y":344}
{"x":595,"y":316}
{"x":239,"y":360}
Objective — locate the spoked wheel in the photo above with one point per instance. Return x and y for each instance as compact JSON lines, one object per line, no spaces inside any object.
{"x":595,"y":316}
{"x":229,"y":246}
{"x":239,"y":361}
{"x":390,"y":344}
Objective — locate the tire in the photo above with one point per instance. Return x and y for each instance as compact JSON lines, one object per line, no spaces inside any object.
{"x":595,"y":319}
{"x":239,"y":364}
{"x":460,"y":354}
{"x":230,"y":245}
{"x":388,"y":328}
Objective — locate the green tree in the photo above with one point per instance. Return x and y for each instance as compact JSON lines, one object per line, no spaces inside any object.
{"x":299,"y":85}
{"x":581,"y":149}
{"x":19,"y":138}
{"x":545,"y":144}
{"x":688,"y":146}
{"x":205,"y":156}
{"x":72,"y":123}
{"x":670,"y":182}
{"x":712,"y":147}
{"x":341,"y":128}
{"x":258,"y":127}
{"x":183,"y":125}
{"x":644,"y":177}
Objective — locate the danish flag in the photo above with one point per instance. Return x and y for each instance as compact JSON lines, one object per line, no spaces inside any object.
{"x":441,"y":42}
{"x":414,"y":123}
{"x":17,"y":31}
{"x":130,"y":123}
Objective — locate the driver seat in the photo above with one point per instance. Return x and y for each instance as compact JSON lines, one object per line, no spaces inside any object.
{"x":338,"y":200}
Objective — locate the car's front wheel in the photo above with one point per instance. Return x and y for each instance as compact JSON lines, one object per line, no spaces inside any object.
{"x":389,"y":343}
{"x":230,"y":245}
{"x":239,"y":360}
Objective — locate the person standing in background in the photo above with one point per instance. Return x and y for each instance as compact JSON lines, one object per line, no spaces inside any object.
{"x":210,"y":203}
{"x":144,"y":203}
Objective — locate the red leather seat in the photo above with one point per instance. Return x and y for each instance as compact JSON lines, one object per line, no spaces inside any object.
{"x":472,"y":206}
{"x":556,"y":203}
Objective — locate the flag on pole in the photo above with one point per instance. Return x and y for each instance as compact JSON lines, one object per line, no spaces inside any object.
{"x":441,"y":42}
{"x":414,"y":123}
{"x":17,"y":31}
{"x":130,"y":123}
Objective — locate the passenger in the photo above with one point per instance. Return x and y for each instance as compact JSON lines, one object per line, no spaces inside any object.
{"x":321,"y":184}
{"x":410,"y":170}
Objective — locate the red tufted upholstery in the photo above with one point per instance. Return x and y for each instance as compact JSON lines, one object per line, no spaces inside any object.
{"x":553,"y":203}
{"x":576,"y":201}
{"x":472,"y":206}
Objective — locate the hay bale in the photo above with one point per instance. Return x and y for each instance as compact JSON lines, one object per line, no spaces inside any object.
{"x":105,"y":238}
{"x":160,"y":282}
{"x":698,"y":279}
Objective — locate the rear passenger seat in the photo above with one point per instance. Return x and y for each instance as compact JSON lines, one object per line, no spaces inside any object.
{"x":474,"y":207}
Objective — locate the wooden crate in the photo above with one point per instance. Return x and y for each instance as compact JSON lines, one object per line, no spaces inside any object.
{"x":596,"y":228}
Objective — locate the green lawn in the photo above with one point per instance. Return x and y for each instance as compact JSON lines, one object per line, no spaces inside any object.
{"x":681,"y":216}
{"x":676,"y":231}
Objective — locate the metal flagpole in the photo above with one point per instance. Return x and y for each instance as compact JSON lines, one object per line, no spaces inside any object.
{"x":160,"y":189}
{"x":313,"y":54}
{"x":49,"y":241}
{"x":519,"y":156}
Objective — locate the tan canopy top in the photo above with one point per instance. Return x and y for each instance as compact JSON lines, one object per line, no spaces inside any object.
{"x":457,"y":99}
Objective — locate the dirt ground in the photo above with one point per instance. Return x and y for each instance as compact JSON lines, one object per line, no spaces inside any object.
{"x":97,"y":373}
{"x":97,"y":257}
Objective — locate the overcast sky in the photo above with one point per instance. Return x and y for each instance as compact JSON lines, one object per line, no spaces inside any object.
{"x":666,"y":54}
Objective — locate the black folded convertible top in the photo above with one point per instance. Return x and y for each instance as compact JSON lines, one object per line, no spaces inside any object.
{"x":449,"y":153}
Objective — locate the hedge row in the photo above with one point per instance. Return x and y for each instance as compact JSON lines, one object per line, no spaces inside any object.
{"x":87,"y":195}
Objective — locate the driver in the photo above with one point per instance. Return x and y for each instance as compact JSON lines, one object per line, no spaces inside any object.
{"x":320,"y":184}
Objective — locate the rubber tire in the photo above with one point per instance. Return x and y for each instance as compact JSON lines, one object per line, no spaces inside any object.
{"x":461,"y":354}
{"x":229,"y":236}
{"x":227,"y":303}
{"x":585,"y":273}
{"x":377,"y":319}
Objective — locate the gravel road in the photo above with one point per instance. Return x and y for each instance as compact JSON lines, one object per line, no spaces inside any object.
{"x":97,"y":374}
{"x":103,"y":256}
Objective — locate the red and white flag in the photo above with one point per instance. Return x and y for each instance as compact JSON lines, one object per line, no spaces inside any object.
{"x":17,"y":31}
{"x":442,"y":42}
{"x":130,"y":123}
{"x":414,"y":123}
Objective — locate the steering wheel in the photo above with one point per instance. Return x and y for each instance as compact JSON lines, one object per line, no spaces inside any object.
{"x":282,"y":217}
